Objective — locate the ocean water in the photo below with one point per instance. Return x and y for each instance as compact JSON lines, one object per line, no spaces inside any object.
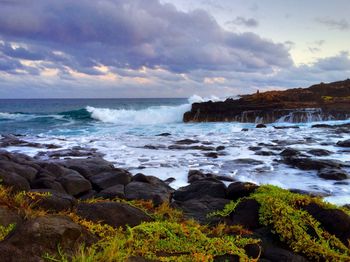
{"x":121,"y":128}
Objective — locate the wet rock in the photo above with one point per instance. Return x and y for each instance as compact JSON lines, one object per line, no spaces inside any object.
{"x":194,"y":175}
{"x":54,"y":201}
{"x":245,"y":130}
{"x":39,"y":236}
{"x":199,"y":208}
{"x":321,"y":126}
{"x":15,"y":181}
{"x":201,"y":188}
{"x":248,"y":161}
{"x":288,"y":152}
{"x":155,"y":147}
{"x":246,"y":214}
{"x":12,"y":140}
{"x":169,"y":180}
{"x":335,"y":221}
{"x":199,"y":147}
{"x":260,"y":126}
{"x":286,"y":127}
{"x":112,"y":213}
{"x":158,"y":193}
{"x":264,"y":153}
{"x":332,"y":174}
{"x":313,"y":164}
{"x":240,"y":189}
{"x":116,"y":191}
{"x":164,"y":134}
{"x":345,"y":143}
{"x":211,"y":155}
{"x":255,"y":148}
{"x":186,"y":142}
{"x":220,"y":148}
{"x":73,"y":152}
{"x":47,"y":182}
{"x":319,"y":152}
{"x":75,"y":184}
{"x":110,"y":178}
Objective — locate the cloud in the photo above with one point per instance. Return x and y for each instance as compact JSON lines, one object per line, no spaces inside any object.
{"x":340,"y":24}
{"x":130,"y":34}
{"x":248,"y":22}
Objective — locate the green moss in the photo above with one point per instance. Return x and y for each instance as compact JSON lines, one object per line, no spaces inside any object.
{"x":228,"y":209}
{"x":282,"y":210}
{"x":5,"y":230}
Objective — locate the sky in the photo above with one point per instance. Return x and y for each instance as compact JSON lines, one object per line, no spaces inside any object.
{"x":163,"y":48}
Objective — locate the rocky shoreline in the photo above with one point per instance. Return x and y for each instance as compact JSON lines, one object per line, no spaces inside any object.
{"x":316,"y":103}
{"x":53,"y":205}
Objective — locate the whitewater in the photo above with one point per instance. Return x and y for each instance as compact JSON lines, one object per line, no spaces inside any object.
{"x":127,"y":132}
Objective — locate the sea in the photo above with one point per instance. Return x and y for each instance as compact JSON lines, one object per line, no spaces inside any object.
{"x":127,"y":132}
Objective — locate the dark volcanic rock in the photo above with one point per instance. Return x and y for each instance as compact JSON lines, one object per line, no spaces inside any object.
{"x":22,"y":170}
{"x":286,"y":127}
{"x":201,"y":188}
{"x":294,"y":105}
{"x":112,"y":213}
{"x":319,"y":152}
{"x":211,"y":154}
{"x":260,"y":126}
{"x":194,"y":175}
{"x":345,"y":143}
{"x":246,"y":214}
{"x":199,"y":208}
{"x":15,"y":181}
{"x":8,"y":216}
{"x":186,"y":142}
{"x":305,"y":163}
{"x":54,"y":201}
{"x":164,"y":134}
{"x":39,"y":236}
{"x":335,"y":221}
{"x":75,"y":184}
{"x":110,"y":178}
{"x":116,"y":191}
{"x":332,"y":174}
{"x":240,"y":189}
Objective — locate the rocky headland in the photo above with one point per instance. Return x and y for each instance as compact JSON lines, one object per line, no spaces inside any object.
{"x":317,"y":103}
{"x":72,"y":205}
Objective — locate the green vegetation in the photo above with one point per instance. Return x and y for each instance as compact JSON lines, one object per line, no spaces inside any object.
{"x":4,"y":231}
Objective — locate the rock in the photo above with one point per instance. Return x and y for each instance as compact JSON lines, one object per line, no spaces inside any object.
{"x":335,"y":221}
{"x":186,"y":142}
{"x":201,"y":188}
{"x":260,"y":126}
{"x":110,"y":178}
{"x":199,"y":147}
{"x":13,"y":140}
{"x":39,"y":236}
{"x":73,"y":152}
{"x":47,"y":183}
{"x":8,"y":216}
{"x":164,"y":134}
{"x":245,"y":130}
{"x":247,"y":161}
{"x":199,"y":208}
{"x":112,"y":213}
{"x":24,"y":171}
{"x":15,"y":181}
{"x":220,"y":148}
{"x":319,"y":152}
{"x":321,"y":126}
{"x":332,"y":174}
{"x":294,"y":105}
{"x":286,"y":127}
{"x":240,"y":189}
{"x":345,"y":143}
{"x":264,"y":153}
{"x":116,"y":191}
{"x":305,"y":163}
{"x":246,"y":214}
{"x":54,"y":201}
{"x":288,"y":152}
{"x":75,"y":184}
{"x":211,"y":155}
{"x":142,"y":190}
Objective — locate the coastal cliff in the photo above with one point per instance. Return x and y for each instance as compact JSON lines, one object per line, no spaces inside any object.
{"x":317,"y":103}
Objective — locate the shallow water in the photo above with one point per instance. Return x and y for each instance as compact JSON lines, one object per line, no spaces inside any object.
{"x":120,"y":129}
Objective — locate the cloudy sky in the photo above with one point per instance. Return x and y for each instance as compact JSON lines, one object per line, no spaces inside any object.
{"x":169,"y":48}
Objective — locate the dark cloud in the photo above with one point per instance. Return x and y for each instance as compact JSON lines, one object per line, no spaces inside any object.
{"x":248,"y":22}
{"x":337,"y":24}
{"x":131,"y":34}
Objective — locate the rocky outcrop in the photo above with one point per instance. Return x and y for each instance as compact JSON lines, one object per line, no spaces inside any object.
{"x":318,"y":102}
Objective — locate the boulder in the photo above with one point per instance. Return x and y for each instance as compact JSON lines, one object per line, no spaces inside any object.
{"x":319,"y":152}
{"x":332,"y":174}
{"x":15,"y":181}
{"x":75,"y":184}
{"x":112,"y":213}
{"x":43,"y":235}
{"x":240,"y":189}
{"x":260,"y":126}
{"x":186,"y":142}
{"x":24,"y":171}
{"x":335,"y":221}
{"x":201,"y":188}
{"x":55,"y":201}
{"x":306,"y":163}
{"x":48,"y":183}
{"x":246,"y":214}
{"x":199,"y":208}
{"x":345,"y":143}
{"x":8,"y":216}
{"x":110,"y":178}
{"x":116,"y":191}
